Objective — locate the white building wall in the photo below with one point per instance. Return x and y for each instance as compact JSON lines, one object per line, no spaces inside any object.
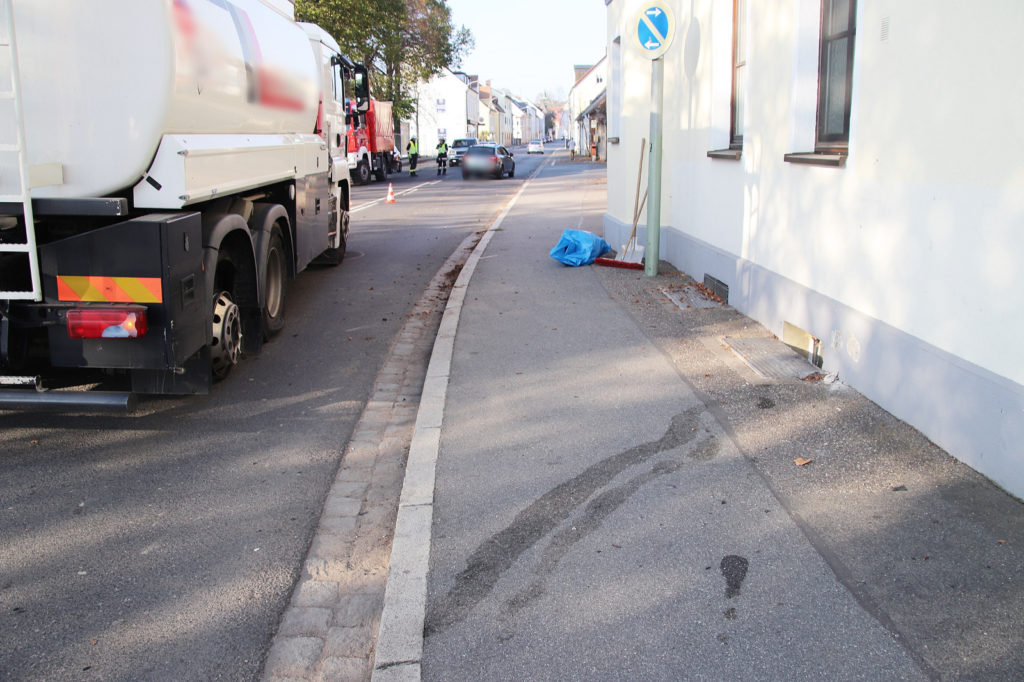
{"x":518,"y":120}
{"x":538,"y":122}
{"x":582,"y":94}
{"x":504,"y":128}
{"x":484,"y":128}
{"x":442,"y":103}
{"x":904,"y":262}
{"x":472,"y":113}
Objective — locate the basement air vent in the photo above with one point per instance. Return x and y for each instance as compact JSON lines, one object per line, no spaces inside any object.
{"x":720,"y":288}
{"x":803,"y":343}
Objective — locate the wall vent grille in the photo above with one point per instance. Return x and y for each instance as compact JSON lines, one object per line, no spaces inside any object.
{"x":720,"y":288}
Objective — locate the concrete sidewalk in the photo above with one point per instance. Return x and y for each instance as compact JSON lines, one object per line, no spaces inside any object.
{"x":616,"y":495}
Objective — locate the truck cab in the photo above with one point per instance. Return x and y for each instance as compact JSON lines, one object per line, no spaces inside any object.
{"x":371,"y":146}
{"x":331,"y":123}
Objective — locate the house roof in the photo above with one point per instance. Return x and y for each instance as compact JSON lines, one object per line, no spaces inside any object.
{"x":581,"y":70}
{"x":581,"y":76}
{"x":596,"y":104}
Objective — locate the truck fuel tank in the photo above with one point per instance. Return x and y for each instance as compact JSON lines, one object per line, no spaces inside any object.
{"x":103,"y":82}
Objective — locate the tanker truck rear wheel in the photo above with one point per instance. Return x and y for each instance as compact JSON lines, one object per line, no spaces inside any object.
{"x":275,"y":285}
{"x":226,"y":347}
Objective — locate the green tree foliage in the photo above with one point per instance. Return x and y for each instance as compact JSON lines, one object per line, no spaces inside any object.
{"x":401,"y":41}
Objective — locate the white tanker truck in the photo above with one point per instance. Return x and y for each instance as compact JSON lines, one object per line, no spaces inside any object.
{"x":165,"y":167}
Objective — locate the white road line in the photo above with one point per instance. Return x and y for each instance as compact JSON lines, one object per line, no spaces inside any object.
{"x":370,"y":204}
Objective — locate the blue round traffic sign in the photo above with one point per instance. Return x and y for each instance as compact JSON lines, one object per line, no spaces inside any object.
{"x":654,"y":29}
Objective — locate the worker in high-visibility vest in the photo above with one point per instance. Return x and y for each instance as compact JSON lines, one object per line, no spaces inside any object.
{"x":414,"y":154}
{"x":442,"y":157}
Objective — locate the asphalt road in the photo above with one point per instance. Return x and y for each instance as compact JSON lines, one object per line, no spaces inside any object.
{"x":165,"y":544}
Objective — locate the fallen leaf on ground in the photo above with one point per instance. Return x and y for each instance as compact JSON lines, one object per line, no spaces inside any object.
{"x":1000,"y":542}
{"x":800,"y":461}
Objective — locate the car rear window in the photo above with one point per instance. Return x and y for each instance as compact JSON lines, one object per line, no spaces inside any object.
{"x":481,"y":150}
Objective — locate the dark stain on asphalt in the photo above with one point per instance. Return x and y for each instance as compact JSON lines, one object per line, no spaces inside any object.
{"x":734,"y":568}
{"x":524,"y":598}
{"x":599,"y":508}
{"x":765,"y":403}
{"x":497,"y":554}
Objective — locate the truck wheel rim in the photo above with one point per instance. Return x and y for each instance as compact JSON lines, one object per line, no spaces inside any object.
{"x":275,"y":282}
{"x":227,"y":333}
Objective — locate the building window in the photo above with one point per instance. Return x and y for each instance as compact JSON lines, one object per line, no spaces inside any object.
{"x":835,"y":73}
{"x":440,"y":106}
{"x":739,"y":72}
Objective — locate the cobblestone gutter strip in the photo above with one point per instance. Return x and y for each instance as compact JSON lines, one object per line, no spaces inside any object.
{"x":328,"y":632}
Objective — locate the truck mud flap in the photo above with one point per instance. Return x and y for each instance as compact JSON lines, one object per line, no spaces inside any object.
{"x":193,"y":377}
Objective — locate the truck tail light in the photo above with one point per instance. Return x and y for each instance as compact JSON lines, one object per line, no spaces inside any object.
{"x":128,"y":322}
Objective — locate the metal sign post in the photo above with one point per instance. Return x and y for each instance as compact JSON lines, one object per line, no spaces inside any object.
{"x":655,"y":29}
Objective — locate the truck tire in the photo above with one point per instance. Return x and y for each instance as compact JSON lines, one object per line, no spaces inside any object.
{"x":275,"y":284}
{"x":333,"y":257}
{"x":363,"y":172}
{"x":381,"y":174}
{"x":233,"y":286}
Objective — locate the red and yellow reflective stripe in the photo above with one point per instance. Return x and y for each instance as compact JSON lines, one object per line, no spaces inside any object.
{"x":110,"y":289}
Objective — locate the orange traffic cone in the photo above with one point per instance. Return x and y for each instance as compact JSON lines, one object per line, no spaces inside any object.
{"x":391,"y":194}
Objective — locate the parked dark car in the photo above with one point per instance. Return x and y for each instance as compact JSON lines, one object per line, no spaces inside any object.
{"x":488,"y":159}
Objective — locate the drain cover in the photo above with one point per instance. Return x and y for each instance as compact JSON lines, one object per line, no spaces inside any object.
{"x":770,"y":358}
{"x":692,"y":299}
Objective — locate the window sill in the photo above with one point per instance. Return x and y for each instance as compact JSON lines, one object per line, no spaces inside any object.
{"x":817,"y":158}
{"x":728,"y":154}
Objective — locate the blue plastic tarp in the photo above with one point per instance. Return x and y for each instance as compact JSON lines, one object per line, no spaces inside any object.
{"x":579,"y":247}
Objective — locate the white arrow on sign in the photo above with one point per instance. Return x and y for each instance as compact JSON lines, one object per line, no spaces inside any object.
{"x":654,"y":31}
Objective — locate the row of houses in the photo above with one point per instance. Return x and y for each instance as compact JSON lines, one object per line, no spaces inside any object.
{"x":454,"y":105}
{"x":840,"y":173}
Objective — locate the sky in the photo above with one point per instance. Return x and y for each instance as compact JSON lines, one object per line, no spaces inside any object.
{"x":530,"y":46}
